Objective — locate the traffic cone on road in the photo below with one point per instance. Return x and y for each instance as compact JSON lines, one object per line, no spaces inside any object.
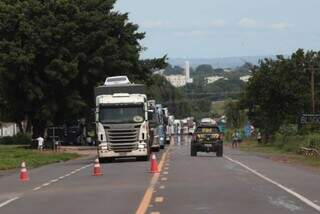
{"x":23,"y":172}
{"x":97,"y":168}
{"x":154,"y":165}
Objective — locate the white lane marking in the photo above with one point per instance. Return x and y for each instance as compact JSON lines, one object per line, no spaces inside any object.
{"x":46,"y":184}
{"x":164,"y":179}
{"x":8,"y":201}
{"x":159,"y":199}
{"x":295,"y":194}
{"x":37,"y":188}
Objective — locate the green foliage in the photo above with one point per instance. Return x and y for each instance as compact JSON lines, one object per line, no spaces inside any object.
{"x":12,"y":156}
{"x":19,"y":139}
{"x":163,"y":92}
{"x":173,"y":70}
{"x":53,"y":53}
{"x":236,"y":117}
{"x":279,"y":91}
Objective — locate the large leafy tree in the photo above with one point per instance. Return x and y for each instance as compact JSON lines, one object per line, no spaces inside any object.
{"x":53,"y":52}
{"x":279,"y":91}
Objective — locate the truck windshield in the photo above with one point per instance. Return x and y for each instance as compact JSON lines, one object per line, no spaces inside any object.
{"x":121,"y":114}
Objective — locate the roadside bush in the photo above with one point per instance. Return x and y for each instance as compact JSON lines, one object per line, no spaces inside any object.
{"x":293,"y":143}
{"x":19,"y":139}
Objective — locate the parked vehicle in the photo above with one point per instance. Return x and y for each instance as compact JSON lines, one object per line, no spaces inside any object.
{"x":153,"y":126}
{"x":122,"y":121}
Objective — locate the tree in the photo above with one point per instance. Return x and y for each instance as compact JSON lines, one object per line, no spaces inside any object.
{"x":204,"y":68}
{"x":163,"y":92}
{"x":279,"y":91}
{"x":53,"y":53}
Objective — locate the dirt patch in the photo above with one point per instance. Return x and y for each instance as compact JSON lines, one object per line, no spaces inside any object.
{"x":81,"y":150}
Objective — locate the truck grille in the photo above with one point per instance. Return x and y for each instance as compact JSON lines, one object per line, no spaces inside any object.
{"x":123,"y":140}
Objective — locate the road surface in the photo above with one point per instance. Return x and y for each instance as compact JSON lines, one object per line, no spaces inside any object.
{"x":238,"y":183}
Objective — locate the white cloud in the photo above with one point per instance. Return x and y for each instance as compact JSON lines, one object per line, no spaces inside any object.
{"x":280,"y":26}
{"x":248,"y":23}
{"x":218,"y":23}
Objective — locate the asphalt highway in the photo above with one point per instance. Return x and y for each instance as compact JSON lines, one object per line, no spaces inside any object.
{"x":237,"y":183}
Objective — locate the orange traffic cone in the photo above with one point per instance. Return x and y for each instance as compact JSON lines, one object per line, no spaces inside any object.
{"x":154,"y":165}
{"x":23,"y":172}
{"x":97,"y":168}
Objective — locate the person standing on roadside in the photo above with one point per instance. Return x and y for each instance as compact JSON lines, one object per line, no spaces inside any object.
{"x":40,"y":143}
{"x":235,"y":139}
{"x":259,"y":137}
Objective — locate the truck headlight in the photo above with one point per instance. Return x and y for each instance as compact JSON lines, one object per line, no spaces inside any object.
{"x":161,"y":138}
{"x":141,"y":146}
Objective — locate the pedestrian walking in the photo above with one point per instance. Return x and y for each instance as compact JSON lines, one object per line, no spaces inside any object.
{"x":40,"y":141}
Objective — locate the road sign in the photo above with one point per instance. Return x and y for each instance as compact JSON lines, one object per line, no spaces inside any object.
{"x":310,"y":119}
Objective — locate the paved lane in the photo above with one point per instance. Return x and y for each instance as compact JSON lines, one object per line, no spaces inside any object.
{"x":207,"y":184}
{"x":119,"y":190}
{"x":203,"y":184}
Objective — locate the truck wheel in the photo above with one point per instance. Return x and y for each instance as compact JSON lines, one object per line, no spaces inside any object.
{"x":157,"y":149}
{"x":161,"y":146}
{"x":143,"y":158}
{"x":220,"y":152}
{"x":193,"y":151}
{"x":101,"y":160}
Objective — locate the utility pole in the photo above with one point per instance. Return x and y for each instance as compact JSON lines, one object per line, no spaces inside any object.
{"x":312,"y":90}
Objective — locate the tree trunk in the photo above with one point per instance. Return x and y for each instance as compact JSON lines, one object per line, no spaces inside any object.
{"x":38,"y":128}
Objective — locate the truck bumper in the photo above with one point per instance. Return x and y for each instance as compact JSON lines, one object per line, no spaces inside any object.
{"x":135,"y":153}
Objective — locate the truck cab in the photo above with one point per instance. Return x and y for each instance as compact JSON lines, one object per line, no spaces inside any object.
{"x":122,"y":122}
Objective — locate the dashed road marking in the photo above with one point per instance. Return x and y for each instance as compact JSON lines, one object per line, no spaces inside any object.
{"x":8,"y":201}
{"x":164,"y":179}
{"x":290,"y":191}
{"x":162,"y":187}
{"x":46,"y":184}
{"x":37,"y":188}
{"x":159,"y":199}
{"x":145,"y":202}
{"x":165,"y":173}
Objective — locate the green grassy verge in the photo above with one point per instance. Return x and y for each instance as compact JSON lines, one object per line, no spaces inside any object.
{"x":272,"y":151}
{"x":218,"y":107}
{"x":12,"y":156}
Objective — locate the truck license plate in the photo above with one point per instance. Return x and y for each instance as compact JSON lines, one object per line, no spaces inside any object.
{"x":207,"y":145}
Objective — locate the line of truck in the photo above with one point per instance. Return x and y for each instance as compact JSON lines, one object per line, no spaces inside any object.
{"x":127,"y":123}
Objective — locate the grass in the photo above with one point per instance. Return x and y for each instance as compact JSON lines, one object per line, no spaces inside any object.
{"x":281,"y":154}
{"x":218,"y":107}
{"x":12,"y":156}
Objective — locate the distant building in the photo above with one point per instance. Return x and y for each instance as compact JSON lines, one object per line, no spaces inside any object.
{"x":8,"y":129}
{"x":213,"y":79}
{"x":177,"y":80}
{"x":245,"y":78}
{"x":187,"y":72}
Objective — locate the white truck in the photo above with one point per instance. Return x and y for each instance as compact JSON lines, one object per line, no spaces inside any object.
{"x":121,"y":118}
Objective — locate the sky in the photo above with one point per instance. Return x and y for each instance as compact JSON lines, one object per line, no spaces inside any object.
{"x":224,"y":28}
